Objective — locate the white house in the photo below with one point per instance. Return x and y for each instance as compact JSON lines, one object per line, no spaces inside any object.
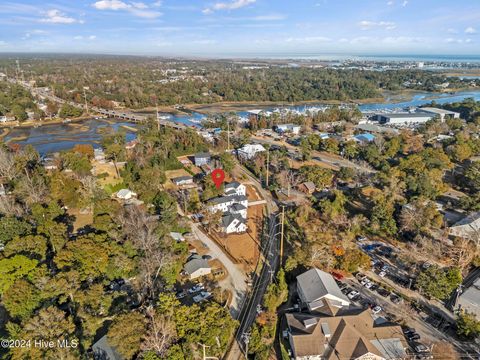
{"x":234,"y":223}
{"x":238,"y":209}
{"x":315,"y":285}
{"x":125,"y":194}
{"x":197,"y":266}
{"x":202,"y":159}
{"x":288,"y":128}
{"x":177,"y":236}
{"x":223,"y":203}
{"x":183,"y":180}
{"x":249,"y":151}
{"x":3,"y":119}
{"x":235,"y":188}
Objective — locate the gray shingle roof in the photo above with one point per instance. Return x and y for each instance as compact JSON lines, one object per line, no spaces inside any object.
{"x":195,"y":263}
{"x":316,"y":284}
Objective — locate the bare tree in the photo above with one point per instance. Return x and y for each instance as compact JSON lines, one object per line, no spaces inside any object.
{"x":8,"y":170}
{"x":160,"y":334}
{"x":288,"y":179}
{"x":140,"y":228}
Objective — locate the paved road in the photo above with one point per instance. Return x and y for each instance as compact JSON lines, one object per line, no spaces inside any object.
{"x":236,"y":280}
{"x":260,"y":283}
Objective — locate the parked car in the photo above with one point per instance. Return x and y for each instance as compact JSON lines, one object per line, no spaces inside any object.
{"x":196,"y":288}
{"x":383,"y":292}
{"x":369,"y":285}
{"x":204,"y":295}
{"x":374,"y":287}
{"x":377,"y":309}
{"x":361,"y":238}
{"x":352,"y":294}
{"x":180,"y":294}
{"x":364,"y":281}
{"x":421,"y":348}
{"x":409,"y":330}
{"x":413,"y":337}
{"x":396,"y":299}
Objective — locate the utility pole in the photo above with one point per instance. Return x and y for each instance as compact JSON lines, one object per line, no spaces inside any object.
{"x":158,"y":118}
{"x":228,"y":134}
{"x":205,"y":357}
{"x":268,"y":165}
{"x":281,"y":235}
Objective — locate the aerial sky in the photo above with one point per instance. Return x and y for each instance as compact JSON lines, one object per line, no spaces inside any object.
{"x":242,"y":27}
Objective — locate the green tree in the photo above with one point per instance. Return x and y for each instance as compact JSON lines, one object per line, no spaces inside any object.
{"x":14,"y":268}
{"x":321,"y":177}
{"x":21,"y":299}
{"x":468,"y":326}
{"x":228,"y":162}
{"x":33,"y":245}
{"x":11,"y":227}
{"x":439,"y":282}
{"x":126,"y":333}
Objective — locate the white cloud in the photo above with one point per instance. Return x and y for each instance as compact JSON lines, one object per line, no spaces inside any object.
{"x":111,"y":5}
{"x":368,"y":25}
{"x":57,"y":17}
{"x":205,"y":42}
{"x":81,"y":37}
{"x":390,"y":3}
{"x":271,"y":17}
{"x":139,"y":9}
{"x":405,"y":3}
{"x":308,"y":39}
{"x":233,"y":5}
{"x":453,"y":41}
{"x":470,"y":30}
{"x":92,"y":37}
{"x":468,"y":41}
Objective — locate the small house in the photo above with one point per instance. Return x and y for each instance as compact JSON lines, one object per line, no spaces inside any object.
{"x":233,"y":223}
{"x":249,"y":151}
{"x":307,"y":187}
{"x":202,"y":158}
{"x":183,"y":180}
{"x":177,"y":236}
{"x":197,"y":266}
{"x":125,"y":194}
{"x":288,"y":128}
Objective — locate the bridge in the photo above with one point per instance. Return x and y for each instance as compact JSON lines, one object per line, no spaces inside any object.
{"x":124,"y":114}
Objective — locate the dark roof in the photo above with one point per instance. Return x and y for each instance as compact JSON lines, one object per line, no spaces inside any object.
{"x":232,"y":185}
{"x":195,"y":263}
{"x":224,"y":199}
{"x":229,"y":218}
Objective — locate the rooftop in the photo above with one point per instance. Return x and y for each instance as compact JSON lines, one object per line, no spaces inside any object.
{"x":195,"y":263}
{"x":316,"y":284}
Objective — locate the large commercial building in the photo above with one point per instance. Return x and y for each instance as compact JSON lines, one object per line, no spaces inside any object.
{"x":404,"y":119}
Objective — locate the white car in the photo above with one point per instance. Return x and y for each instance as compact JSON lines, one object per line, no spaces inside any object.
{"x":204,"y":295}
{"x":196,"y":288}
{"x":364,"y":281}
{"x":382,"y":273}
{"x":368,"y":285}
{"x":352,"y":294}
{"x":377,"y":309}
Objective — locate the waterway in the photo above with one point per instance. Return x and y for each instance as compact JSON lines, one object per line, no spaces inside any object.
{"x":57,"y":137}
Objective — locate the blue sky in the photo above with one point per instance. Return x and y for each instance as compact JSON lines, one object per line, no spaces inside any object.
{"x":241,"y":27}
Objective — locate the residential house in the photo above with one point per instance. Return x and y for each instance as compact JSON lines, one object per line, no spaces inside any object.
{"x":177,"y":236}
{"x":197,"y":266}
{"x":469,"y":299}
{"x":235,"y":188}
{"x":234,"y":206}
{"x":249,"y":151}
{"x":183,"y":180}
{"x":202,"y":158}
{"x":234,"y":223}
{"x":307,"y":187}
{"x":347,"y":334}
{"x":102,"y":350}
{"x":467,"y":227}
{"x":364,"y":138}
{"x":99,"y":155}
{"x":314,"y":286}
{"x":125,"y":194}
{"x":288,"y":128}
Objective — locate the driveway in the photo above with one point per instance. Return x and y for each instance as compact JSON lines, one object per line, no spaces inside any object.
{"x":236,"y":281}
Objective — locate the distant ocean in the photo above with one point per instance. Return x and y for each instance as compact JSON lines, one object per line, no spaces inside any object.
{"x":369,"y":57}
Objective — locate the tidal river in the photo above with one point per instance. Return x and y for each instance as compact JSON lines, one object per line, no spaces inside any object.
{"x":57,"y":137}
